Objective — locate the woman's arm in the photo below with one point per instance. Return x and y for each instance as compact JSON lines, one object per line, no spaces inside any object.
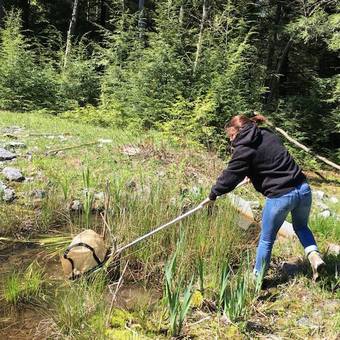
{"x":237,"y":170}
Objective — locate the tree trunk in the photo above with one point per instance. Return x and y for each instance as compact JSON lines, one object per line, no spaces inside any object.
{"x":271,"y":54}
{"x":200,"y":36}
{"x":26,"y":13}
{"x":71,"y":29}
{"x":141,"y":19}
{"x":181,"y":15}
{"x":103,"y":12}
{"x":2,"y":12}
{"x":276,"y":77}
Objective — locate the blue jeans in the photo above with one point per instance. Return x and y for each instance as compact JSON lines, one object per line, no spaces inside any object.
{"x":298,"y":203}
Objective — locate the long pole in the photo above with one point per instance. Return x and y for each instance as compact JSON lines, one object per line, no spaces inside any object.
{"x":163,"y":226}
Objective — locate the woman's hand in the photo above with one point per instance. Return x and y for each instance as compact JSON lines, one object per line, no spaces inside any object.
{"x":207,"y":202}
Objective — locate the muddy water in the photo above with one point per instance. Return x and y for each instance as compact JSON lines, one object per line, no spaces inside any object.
{"x":22,"y":322}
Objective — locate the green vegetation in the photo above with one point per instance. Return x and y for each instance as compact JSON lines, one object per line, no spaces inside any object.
{"x":181,"y":67}
{"x":177,"y":309}
{"x":170,"y":287}
{"x":26,"y":287}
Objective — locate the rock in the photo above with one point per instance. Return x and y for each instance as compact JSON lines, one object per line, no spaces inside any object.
{"x":318,"y":194}
{"x":241,"y":205}
{"x":291,"y":268}
{"x":325,"y":214}
{"x":76,"y":205}
{"x":131,"y":185}
{"x":13,"y":174}
{"x":10,"y":135}
{"x":246,"y":216}
{"x":12,"y":130}
{"x":99,"y":196}
{"x":98,"y":201}
{"x":6,"y":155}
{"x":15,"y":145}
{"x":195,"y":191}
{"x":333,"y":249}
{"x":131,"y":150}
{"x":8,"y":195}
{"x":304,"y":321}
{"x":2,"y":186}
{"x":322,"y":206}
{"x":38,"y":193}
{"x":333,"y":200}
{"x":161,"y":173}
{"x":287,"y":230}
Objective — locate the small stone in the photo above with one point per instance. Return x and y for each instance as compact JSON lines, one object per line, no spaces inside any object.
{"x":318,"y":194}
{"x":15,"y":145}
{"x":8,"y":195}
{"x":196,"y":191}
{"x":287,"y":230}
{"x":99,"y":196}
{"x":333,"y":200}
{"x":322,"y":206}
{"x":2,"y":186}
{"x":13,"y":174}
{"x":161,"y":173}
{"x":38,"y":193}
{"x":105,"y":141}
{"x":131,"y":150}
{"x":325,"y":214}
{"x":333,"y":249}
{"x":76,"y":205}
{"x":10,"y":135}
{"x":6,"y":155}
{"x":304,"y":321}
{"x":131,"y":185}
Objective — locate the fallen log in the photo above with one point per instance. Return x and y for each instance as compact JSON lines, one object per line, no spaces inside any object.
{"x":304,"y":147}
{"x":51,"y":152}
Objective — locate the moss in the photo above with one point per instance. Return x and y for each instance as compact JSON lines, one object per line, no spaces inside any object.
{"x":119,"y":334}
{"x":119,"y":318}
{"x":232,"y":332}
{"x":97,"y":322}
{"x":197,"y":299}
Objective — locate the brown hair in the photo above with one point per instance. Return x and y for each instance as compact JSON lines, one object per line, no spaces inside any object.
{"x":237,"y":122}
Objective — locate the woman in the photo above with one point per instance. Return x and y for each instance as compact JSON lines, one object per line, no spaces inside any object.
{"x":259,"y":155}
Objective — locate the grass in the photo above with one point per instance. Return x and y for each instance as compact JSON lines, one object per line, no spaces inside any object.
{"x":178,"y":306}
{"x":145,"y":190}
{"x":79,"y":309}
{"x":24,"y":287}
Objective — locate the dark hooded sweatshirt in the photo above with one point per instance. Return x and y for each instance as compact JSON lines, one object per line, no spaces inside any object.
{"x":260,"y":155}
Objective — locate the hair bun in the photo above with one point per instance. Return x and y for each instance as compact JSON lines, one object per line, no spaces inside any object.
{"x":258,"y":118}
